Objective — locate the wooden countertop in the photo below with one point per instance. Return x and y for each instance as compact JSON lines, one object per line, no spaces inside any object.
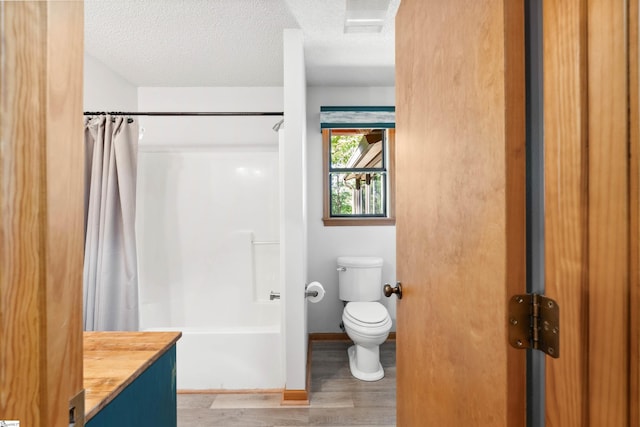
{"x":113,"y":360}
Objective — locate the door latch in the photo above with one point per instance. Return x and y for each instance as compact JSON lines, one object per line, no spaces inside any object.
{"x":76,"y":410}
{"x":534,"y":322}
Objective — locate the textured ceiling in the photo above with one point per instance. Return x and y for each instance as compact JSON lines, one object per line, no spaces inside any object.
{"x":233,"y":42}
{"x":333,"y":57}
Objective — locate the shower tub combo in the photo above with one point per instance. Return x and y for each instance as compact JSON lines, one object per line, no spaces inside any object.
{"x":208,"y":231}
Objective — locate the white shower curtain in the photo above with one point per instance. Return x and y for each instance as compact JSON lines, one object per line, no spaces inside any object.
{"x":110,"y":260}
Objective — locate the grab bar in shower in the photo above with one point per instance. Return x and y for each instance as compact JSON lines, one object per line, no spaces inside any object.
{"x":276,"y":295}
{"x":265,"y":242}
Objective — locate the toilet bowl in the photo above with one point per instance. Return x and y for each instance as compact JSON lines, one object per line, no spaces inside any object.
{"x":368,"y":325}
{"x":365,"y":320}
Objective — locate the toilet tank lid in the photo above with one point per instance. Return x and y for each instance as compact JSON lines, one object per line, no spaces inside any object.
{"x":362,"y":262}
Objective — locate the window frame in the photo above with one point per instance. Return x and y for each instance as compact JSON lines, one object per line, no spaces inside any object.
{"x":389,"y":153}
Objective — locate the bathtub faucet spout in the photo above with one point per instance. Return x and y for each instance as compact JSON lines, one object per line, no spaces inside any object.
{"x":274,"y":295}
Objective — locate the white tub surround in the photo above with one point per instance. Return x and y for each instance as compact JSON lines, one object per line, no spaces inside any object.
{"x":208,"y":226}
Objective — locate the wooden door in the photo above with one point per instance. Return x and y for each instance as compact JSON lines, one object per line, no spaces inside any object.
{"x":41,"y":211}
{"x":460,"y":147}
{"x":460,"y":214}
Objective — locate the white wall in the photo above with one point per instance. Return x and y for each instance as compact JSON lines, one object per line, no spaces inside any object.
{"x":105,"y":90}
{"x":325,"y":244}
{"x":294,"y":211}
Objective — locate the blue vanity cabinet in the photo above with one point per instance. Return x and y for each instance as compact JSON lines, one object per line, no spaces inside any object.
{"x":146,"y":396}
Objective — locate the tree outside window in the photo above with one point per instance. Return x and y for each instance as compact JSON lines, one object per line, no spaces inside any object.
{"x":358,"y":176}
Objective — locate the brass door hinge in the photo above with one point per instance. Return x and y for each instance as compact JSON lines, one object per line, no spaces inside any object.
{"x":534,"y":322}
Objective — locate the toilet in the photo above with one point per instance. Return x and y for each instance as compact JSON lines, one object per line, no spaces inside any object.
{"x":366,"y":321}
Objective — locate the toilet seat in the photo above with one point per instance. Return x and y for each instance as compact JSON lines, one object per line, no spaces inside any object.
{"x":366,"y":314}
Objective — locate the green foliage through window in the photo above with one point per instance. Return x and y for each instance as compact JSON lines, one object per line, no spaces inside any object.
{"x":357,"y":175}
{"x":342,"y":147}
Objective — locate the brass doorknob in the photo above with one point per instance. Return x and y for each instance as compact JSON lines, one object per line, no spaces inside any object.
{"x":388,"y":290}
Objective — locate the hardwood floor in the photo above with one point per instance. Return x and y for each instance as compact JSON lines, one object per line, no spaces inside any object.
{"x":337,"y":399}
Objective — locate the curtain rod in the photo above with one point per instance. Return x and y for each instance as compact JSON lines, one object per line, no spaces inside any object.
{"x":195,"y":113}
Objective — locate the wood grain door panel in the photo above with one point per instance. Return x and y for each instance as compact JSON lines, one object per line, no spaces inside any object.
{"x":460,"y":210}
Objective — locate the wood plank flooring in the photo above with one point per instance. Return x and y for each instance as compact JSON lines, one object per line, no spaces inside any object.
{"x":337,"y":399}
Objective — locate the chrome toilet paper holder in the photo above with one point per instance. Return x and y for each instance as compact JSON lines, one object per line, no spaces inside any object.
{"x":276,"y":295}
{"x":310,"y":293}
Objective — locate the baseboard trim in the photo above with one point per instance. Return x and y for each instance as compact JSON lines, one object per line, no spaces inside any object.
{"x":328,"y":336}
{"x":309,"y":356}
{"x":338,"y":336}
{"x":295,"y":398}
{"x":225,"y":391}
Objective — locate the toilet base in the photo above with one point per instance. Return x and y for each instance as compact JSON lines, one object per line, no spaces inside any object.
{"x":358,"y":373}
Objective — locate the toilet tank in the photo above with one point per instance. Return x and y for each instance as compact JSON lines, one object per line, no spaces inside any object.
{"x":360,"y":278}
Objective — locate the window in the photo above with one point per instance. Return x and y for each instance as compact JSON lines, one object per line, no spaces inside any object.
{"x":358,"y":176}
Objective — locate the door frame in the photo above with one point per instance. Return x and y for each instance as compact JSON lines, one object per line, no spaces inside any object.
{"x":634,"y":217}
{"x":591,"y":197}
{"x":41,"y":210}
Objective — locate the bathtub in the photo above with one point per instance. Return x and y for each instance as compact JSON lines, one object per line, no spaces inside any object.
{"x":229,"y":359}
{"x":231,"y":330}
{"x":246,"y":354}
